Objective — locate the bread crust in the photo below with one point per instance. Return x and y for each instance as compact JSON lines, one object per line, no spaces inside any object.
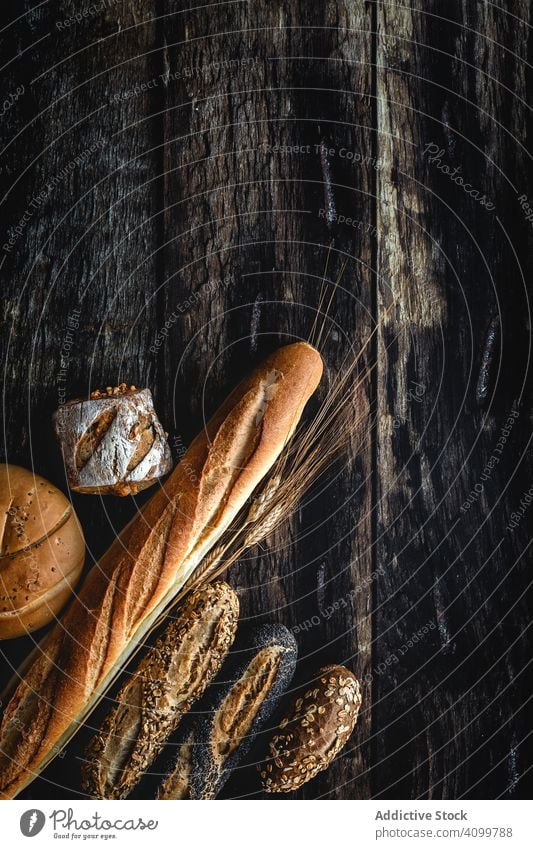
{"x":23,"y":494}
{"x":151,"y":560}
{"x":112,"y":444}
{"x":42,"y":551}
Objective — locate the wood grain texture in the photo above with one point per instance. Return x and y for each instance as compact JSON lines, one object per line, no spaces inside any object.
{"x":218,"y":146}
{"x":80,"y":279}
{"x":448,"y":710}
{"x":253,"y":90}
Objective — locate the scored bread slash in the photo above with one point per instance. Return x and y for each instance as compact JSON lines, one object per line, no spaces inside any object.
{"x":112,"y":443}
{"x":213,"y":745}
{"x":167,"y":682}
{"x":315,"y":727}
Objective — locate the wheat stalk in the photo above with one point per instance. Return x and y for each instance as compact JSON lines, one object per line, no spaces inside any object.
{"x":254,"y":526}
{"x":275,"y":503}
{"x":311,"y":451}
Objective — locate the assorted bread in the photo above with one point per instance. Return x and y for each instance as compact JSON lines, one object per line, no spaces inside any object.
{"x":112,"y":442}
{"x":222,"y":735}
{"x":128,"y":589}
{"x":315,"y":727}
{"x":42,"y":551}
{"x":168,"y":681}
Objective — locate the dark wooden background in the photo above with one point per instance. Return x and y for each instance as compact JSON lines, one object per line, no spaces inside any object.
{"x":181,"y":213}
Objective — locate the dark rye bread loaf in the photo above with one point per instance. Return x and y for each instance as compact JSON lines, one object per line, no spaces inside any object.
{"x":171,"y":677}
{"x":126,"y":592}
{"x":214,"y":743}
{"x":315,"y":727}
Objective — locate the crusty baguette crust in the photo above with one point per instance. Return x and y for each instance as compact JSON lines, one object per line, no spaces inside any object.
{"x":153,"y":557}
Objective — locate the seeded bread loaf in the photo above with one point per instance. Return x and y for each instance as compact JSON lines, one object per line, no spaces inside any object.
{"x":125,"y":593}
{"x":208,"y":752}
{"x":316,"y":726}
{"x":167,"y":682}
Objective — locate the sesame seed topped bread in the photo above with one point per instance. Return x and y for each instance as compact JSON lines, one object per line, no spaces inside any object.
{"x":134,"y":582}
{"x":171,"y":677}
{"x":315,"y":727}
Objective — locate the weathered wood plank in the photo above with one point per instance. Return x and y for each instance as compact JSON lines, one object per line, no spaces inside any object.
{"x":79,"y":180}
{"x":449,"y":711}
{"x":248,"y":246}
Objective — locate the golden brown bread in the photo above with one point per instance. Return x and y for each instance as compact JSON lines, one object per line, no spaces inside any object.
{"x":151,"y":560}
{"x":42,"y":551}
{"x":171,"y":677}
{"x":315,"y":727}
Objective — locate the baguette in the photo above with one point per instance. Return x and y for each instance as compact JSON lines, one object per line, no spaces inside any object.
{"x":168,"y":681}
{"x":146,"y":566}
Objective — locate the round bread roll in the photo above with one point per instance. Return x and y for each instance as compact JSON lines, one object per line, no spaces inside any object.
{"x":42,"y":551}
{"x":316,"y":726}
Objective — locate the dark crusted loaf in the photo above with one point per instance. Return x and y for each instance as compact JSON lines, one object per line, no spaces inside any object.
{"x":167,"y":682}
{"x":316,"y":726}
{"x":212,"y":746}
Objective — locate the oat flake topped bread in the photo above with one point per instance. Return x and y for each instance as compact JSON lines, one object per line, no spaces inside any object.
{"x":315,"y":727}
{"x":135,"y":581}
{"x":171,"y":677}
